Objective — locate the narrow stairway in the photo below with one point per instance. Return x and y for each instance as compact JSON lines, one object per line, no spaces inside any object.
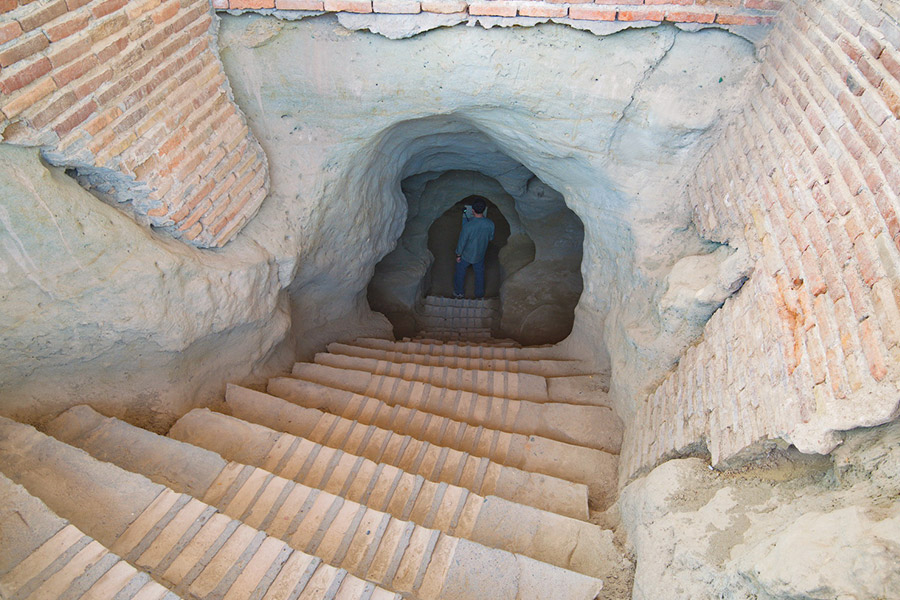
{"x":419,"y":469}
{"x":452,"y":319}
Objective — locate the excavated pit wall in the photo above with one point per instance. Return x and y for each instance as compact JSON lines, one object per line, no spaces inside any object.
{"x":98,"y":309}
{"x":613,"y":123}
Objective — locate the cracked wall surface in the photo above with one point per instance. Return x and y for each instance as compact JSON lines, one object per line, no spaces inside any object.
{"x":789,"y":526}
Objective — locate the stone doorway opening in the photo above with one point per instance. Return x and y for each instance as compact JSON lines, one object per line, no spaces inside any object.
{"x":442,"y":237}
{"x":533,"y":273}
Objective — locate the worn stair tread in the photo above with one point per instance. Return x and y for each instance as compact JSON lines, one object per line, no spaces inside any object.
{"x":480,"y":331}
{"x":498,"y":523}
{"x":326,"y":524}
{"x":463,"y":302}
{"x":568,"y":379}
{"x":440,"y":464}
{"x":429,"y":322}
{"x":462,"y":350}
{"x":481,"y":317}
{"x":44,"y":556}
{"x":141,"y":521}
{"x":594,"y":427}
{"x":548,"y":368}
{"x":494,"y":341}
{"x":482,"y":312}
{"x":528,"y":452}
{"x":521,"y":386}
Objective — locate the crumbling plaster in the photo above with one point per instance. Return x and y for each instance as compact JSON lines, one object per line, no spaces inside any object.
{"x":97,"y":308}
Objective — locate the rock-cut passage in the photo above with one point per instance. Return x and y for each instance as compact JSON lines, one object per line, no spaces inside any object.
{"x":532,"y":267}
{"x":442,"y":238}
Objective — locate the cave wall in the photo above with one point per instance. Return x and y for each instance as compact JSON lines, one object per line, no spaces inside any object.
{"x":97,"y":309}
{"x":805,"y":179}
{"x":133,"y":95}
{"x":628,"y":125}
{"x":538,"y":300}
{"x":399,"y":280}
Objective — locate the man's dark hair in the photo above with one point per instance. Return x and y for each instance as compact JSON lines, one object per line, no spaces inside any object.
{"x":479,"y":204}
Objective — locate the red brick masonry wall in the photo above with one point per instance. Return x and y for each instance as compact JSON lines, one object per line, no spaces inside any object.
{"x":133,"y":90}
{"x":723,"y":12}
{"x":807,"y":178}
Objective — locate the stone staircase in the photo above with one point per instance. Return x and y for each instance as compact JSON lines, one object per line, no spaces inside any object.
{"x":414,"y":469}
{"x":453,"y":319}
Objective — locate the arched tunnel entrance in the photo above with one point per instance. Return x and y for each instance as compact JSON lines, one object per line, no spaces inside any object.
{"x":442,"y":237}
{"x":533,"y":266}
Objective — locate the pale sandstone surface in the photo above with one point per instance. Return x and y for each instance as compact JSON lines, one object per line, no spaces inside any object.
{"x":25,"y":524}
{"x":97,"y":309}
{"x":797,"y":526}
{"x":614,"y":124}
{"x":72,"y":483}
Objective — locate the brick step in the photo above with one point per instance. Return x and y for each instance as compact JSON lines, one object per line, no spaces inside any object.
{"x":433,"y":462}
{"x":490,"y":521}
{"x":483,"y":310}
{"x":491,"y":341}
{"x":547,"y":368}
{"x":491,"y":352}
{"x":568,"y":381}
{"x":521,"y":386}
{"x":448,"y":322}
{"x":44,"y":556}
{"x":595,"y":468}
{"x":180,"y":541}
{"x":594,"y":427}
{"x":488,"y":303}
{"x":441,"y":331}
{"x":400,"y":555}
{"x":457,"y":336}
{"x":451,"y":312}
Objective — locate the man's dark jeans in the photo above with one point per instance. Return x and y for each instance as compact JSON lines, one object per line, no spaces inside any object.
{"x":459,"y":278}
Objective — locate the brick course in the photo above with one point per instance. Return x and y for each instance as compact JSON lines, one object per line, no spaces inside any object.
{"x":113,"y":84}
{"x":804,"y":178}
{"x":723,"y":12}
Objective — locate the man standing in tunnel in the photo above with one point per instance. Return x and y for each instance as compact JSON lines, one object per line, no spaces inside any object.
{"x":476,"y":232}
